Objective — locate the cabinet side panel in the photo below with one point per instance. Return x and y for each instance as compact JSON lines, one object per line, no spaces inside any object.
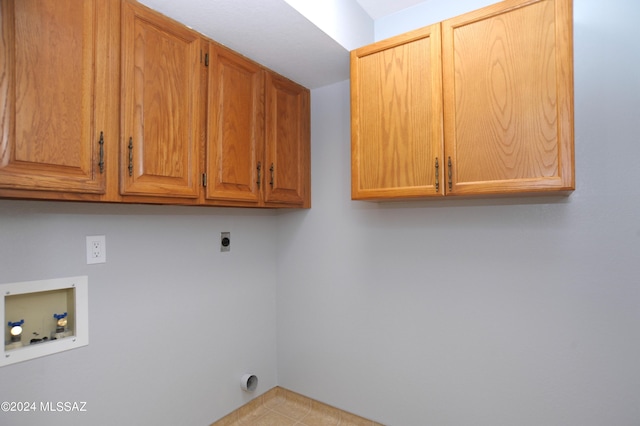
{"x":564,"y":77}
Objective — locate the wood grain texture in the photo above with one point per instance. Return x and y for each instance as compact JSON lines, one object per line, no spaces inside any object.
{"x":154,"y":87}
{"x":161,"y":108}
{"x":287,"y":147}
{"x":235,"y":142}
{"x":508,"y":98}
{"x":397,"y":117}
{"x":48,"y":95}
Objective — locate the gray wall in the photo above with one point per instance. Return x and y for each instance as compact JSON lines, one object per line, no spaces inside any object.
{"x":173,"y":323}
{"x":505,"y":312}
{"x":510,"y":312}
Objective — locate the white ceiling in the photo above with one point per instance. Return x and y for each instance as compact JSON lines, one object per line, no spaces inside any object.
{"x":273,"y":33}
{"x":379,"y":8}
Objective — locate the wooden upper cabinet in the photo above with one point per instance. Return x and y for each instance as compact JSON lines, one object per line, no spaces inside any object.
{"x":508,"y":98}
{"x":108,"y":100}
{"x":505,"y":98}
{"x":161,"y":86}
{"x":235,"y":128}
{"x":258,"y":140}
{"x":396,"y":117}
{"x":287,"y":166}
{"x":55,"y":105}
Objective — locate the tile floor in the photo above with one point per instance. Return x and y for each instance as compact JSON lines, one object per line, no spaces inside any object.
{"x":281,"y":407}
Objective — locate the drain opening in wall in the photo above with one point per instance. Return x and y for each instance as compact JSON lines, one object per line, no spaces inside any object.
{"x":249,"y":382}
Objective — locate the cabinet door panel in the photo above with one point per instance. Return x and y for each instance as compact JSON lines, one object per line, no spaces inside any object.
{"x":235,"y":145}
{"x":397,"y":117}
{"x":161,"y":87}
{"x":49,"y":138}
{"x":508,"y":98}
{"x":287,"y":161}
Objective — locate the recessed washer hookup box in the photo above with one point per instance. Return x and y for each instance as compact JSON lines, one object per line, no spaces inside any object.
{"x":43,"y":317}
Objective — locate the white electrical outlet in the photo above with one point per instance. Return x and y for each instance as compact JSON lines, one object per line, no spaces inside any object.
{"x":96,"y":249}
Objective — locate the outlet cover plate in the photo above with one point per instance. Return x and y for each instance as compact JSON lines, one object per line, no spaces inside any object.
{"x":96,"y":249}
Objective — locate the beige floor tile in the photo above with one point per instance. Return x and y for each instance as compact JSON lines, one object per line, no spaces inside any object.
{"x":248,"y":417}
{"x":274,"y":402}
{"x":297,"y":398}
{"x":347,"y":419}
{"x":280,"y":407}
{"x":293,"y":409}
{"x":230,"y":420}
{"x":273,"y":396}
{"x":274,"y":419}
{"x":315,"y":418}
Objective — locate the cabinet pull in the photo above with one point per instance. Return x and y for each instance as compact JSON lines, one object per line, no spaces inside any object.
{"x":450,"y":183}
{"x":259,"y":174}
{"x":437,"y":175}
{"x":101,"y":161}
{"x":130,"y":156}
{"x":271,"y":170}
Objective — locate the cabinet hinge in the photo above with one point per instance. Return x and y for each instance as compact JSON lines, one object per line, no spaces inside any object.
{"x":204,"y":180}
{"x":204,"y":58}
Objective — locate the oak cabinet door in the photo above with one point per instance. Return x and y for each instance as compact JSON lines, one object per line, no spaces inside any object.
{"x":235,"y":136}
{"x":508,"y":98}
{"x":396,"y":117}
{"x":161,"y":109}
{"x":287,"y":165}
{"x":51,"y":128}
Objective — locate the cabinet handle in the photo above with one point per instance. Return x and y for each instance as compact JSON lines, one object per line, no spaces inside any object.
{"x":130,"y":156}
{"x":450,"y":183}
{"x":437,"y":175}
{"x":259,"y":173}
{"x":101,"y":161}
{"x":271,"y":170}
